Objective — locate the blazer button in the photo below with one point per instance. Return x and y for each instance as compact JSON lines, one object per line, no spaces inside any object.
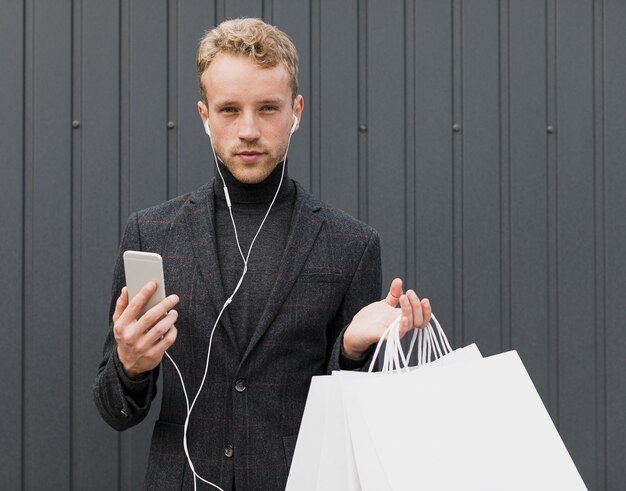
{"x":228,"y":451}
{"x":240,"y":385}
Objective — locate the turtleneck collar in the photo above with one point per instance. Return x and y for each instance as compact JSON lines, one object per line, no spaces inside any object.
{"x":262,"y":192}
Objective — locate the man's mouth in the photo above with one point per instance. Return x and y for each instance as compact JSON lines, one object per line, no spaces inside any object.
{"x":249,"y":156}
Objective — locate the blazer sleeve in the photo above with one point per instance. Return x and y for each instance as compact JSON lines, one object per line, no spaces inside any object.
{"x":122,"y":402}
{"x":364,"y":289}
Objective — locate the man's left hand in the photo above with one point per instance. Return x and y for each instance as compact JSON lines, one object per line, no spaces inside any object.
{"x":370,"y":322}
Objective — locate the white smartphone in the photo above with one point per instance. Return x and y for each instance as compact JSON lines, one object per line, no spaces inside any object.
{"x":140,"y":268}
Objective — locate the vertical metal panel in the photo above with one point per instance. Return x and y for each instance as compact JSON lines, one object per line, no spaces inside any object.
{"x":481,"y":175}
{"x":172,"y":100}
{"x":505,"y":173}
{"x":95,"y":206}
{"x":528,"y":188}
{"x":315,"y":109}
{"x":575,"y":202}
{"x":11,"y":243}
{"x":148,"y":170}
{"x":457,"y":174}
{"x":363,"y":115}
{"x":194,"y":157}
{"x":148,"y":107}
{"x":294,"y":18}
{"x":600,"y":460}
{"x":124,"y":83}
{"x":242,"y":8}
{"x":339,"y":104}
{"x":552,"y":375}
{"x":386,"y":161}
{"x":615,"y":239}
{"x":431,"y":82}
{"x":409,"y":122}
{"x":47,"y":360}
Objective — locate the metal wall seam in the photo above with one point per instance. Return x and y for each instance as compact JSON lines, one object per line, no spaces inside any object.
{"x":75,"y":252}
{"x":411,"y":187}
{"x":457,"y":173}
{"x":552,"y":222}
{"x":505,"y":174}
{"x":315,"y":113}
{"x":600,"y":246}
{"x":362,"y":113}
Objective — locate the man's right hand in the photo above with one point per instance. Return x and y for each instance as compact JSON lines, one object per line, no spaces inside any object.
{"x":142,"y":341}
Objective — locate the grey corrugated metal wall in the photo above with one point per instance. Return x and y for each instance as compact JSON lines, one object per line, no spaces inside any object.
{"x":484,"y":139}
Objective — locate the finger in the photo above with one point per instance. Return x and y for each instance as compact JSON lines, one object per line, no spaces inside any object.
{"x":138,"y":301}
{"x":416,"y":308}
{"x":407,"y":314}
{"x":156,"y":313}
{"x":155,"y":352}
{"x":150,"y":337}
{"x":169,"y":338}
{"x":404,"y":326}
{"x":160,"y":329}
{"x":427,"y":311}
{"x":395,"y":292}
{"x":121,"y":304}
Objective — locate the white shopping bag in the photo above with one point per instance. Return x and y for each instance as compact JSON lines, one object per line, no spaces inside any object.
{"x":371,"y":472}
{"x":306,"y":456}
{"x":324,"y":457}
{"x":472,"y":425}
{"x":337,"y":468}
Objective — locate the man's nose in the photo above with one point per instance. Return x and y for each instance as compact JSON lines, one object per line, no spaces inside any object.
{"x":249,"y":128}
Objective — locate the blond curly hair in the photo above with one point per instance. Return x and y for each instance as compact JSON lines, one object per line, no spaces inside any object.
{"x":264,"y":44}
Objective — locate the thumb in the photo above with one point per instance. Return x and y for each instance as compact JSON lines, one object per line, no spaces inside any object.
{"x":395,"y":292}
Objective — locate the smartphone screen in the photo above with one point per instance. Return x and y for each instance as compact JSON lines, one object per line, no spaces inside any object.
{"x":140,"y":268}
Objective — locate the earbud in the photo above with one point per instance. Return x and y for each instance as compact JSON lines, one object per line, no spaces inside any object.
{"x":206,"y":127}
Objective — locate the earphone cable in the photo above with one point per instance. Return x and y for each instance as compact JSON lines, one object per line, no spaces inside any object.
{"x":228,"y":301}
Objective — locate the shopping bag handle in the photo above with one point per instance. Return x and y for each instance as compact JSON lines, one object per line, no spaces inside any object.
{"x":431,"y":345}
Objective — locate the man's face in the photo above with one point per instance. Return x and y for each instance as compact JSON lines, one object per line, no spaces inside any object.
{"x":250,"y":112}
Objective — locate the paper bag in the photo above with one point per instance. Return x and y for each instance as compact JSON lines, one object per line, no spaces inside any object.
{"x":323,"y":458}
{"x":371,"y":472}
{"x":476,"y":425}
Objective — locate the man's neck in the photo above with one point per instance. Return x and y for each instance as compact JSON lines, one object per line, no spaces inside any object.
{"x":262,"y":192}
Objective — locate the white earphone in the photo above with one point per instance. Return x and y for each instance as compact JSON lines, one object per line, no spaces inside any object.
{"x":190,"y":404}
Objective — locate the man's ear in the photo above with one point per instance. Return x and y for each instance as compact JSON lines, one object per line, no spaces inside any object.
{"x":203,"y":110}
{"x":298,"y":106}
{"x":204,"y":115}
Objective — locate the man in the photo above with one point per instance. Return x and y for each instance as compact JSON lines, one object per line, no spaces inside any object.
{"x":306,"y":292}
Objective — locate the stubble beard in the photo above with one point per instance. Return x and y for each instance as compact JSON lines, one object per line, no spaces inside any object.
{"x":251,"y":173}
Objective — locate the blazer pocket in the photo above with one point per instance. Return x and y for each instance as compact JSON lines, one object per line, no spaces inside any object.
{"x":319,"y":277}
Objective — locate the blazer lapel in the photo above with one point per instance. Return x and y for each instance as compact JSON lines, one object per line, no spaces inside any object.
{"x":305,"y":226}
{"x":199,"y":218}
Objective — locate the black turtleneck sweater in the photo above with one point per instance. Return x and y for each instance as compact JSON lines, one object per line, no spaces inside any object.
{"x":249,"y":205}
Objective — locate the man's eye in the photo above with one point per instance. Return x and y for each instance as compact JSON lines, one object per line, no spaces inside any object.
{"x":228,"y":110}
{"x":268,"y":108}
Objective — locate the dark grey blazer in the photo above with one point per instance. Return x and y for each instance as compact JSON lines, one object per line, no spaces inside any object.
{"x":247,"y":418}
